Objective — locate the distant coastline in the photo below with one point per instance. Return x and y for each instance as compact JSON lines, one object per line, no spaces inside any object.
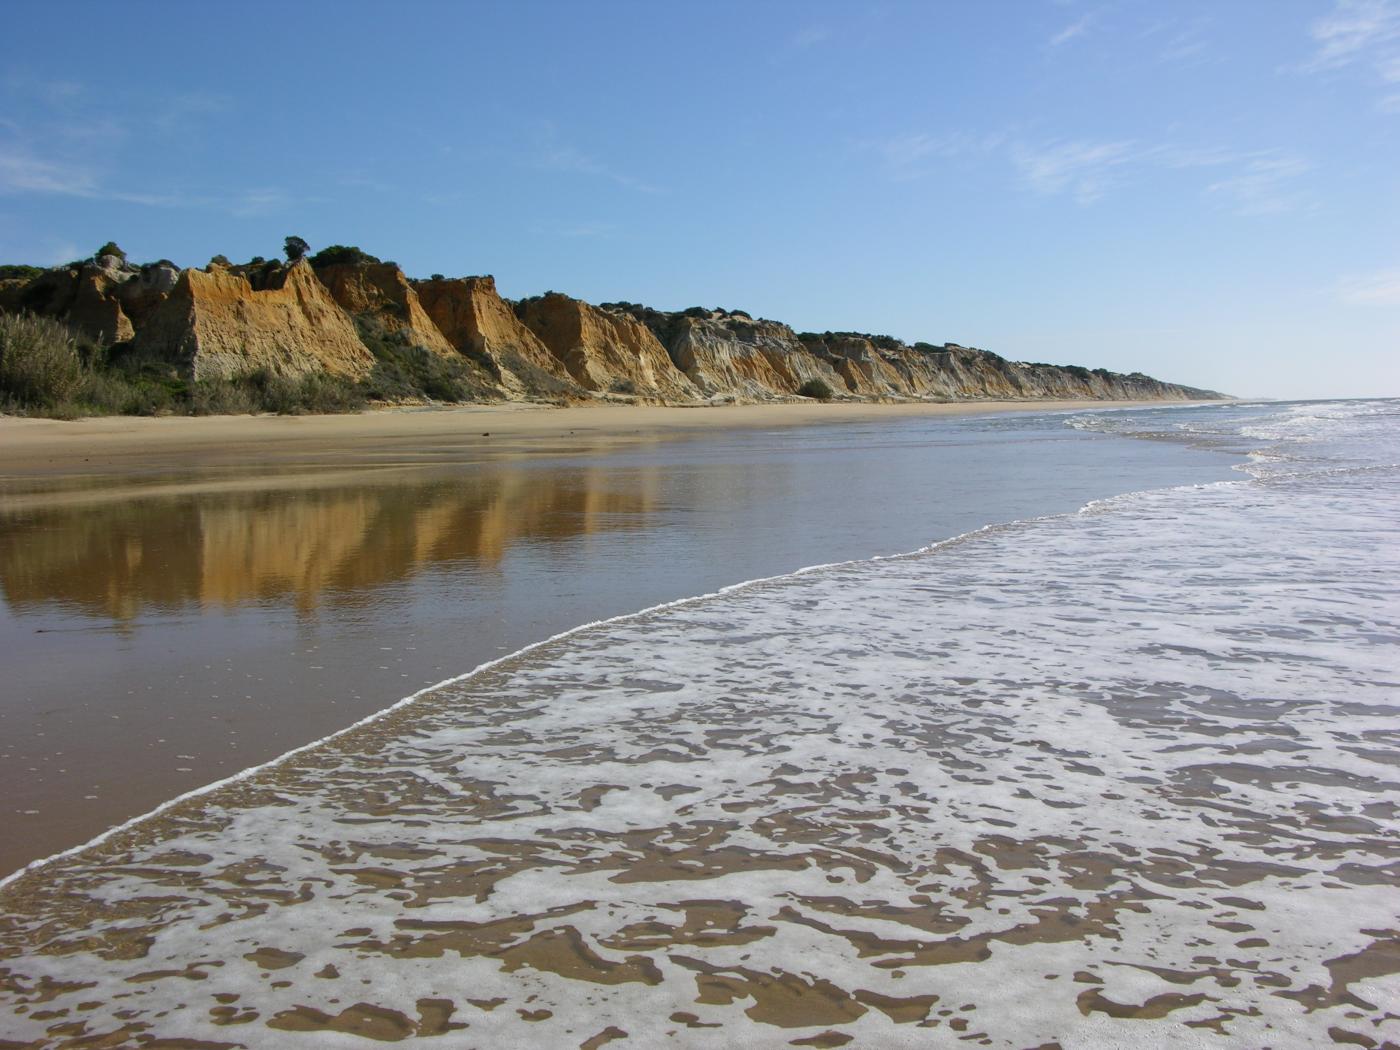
{"x":340,"y":330}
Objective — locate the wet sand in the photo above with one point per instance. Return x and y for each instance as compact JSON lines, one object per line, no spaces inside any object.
{"x":1086,"y":781}
{"x":202,"y":595}
{"x":43,"y":448}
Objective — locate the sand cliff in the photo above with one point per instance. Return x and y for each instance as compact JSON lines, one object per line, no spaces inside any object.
{"x":342,"y":319}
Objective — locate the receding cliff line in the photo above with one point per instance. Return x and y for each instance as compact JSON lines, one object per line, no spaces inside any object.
{"x":348,"y":316}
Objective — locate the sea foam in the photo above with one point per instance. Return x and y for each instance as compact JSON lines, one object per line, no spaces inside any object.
{"x":1117,"y":778}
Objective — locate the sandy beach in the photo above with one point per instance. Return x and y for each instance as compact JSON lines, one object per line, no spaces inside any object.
{"x":183,"y":597}
{"x":45,"y":448}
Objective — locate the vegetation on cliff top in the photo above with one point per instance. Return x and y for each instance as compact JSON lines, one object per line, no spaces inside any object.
{"x":104,"y":335}
{"x":48,"y":370}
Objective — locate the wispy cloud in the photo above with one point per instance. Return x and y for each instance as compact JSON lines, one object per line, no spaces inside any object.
{"x":63,"y":139}
{"x":1181,"y":40}
{"x":51,"y":91}
{"x":1375,"y":289}
{"x":570,"y":159}
{"x":24,"y":172}
{"x":1084,"y":169}
{"x":1355,"y":30}
{"x":1360,"y":32}
{"x":916,"y":154}
{"x":21,"y":171}
{"x":262,"y":200}
{"x":588,"y":229}
{"x":1263,"y":185}
{"x":810,"y":36}
{"x":175,"y":114}
{"x":1261,"y":182}
{"x":1076,"y":28}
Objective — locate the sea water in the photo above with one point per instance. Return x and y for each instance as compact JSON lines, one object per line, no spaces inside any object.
{"x":1125,"y":776}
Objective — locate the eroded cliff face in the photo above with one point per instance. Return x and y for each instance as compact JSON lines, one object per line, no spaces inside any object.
{"x":382,"y":294}
{"x":85,"y":296}
{"x":214,"y":325}
{"x":292,"y":320}
{"x":722,"y":357}
{"x":476,"y":320}
{"x":603,"y":351}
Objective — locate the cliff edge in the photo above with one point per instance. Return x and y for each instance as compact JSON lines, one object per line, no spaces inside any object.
{"x":347,"y":315}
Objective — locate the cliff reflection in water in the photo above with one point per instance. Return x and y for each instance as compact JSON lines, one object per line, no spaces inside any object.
{"x":303,"y":545}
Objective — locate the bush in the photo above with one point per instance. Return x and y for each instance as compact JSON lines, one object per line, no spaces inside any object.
{"x":110,"y":248}
{"x":295,"y":395}
{"x":408,"y":373}
{"x":815,"y":388}
{"x":295,"y":248}
{"x":40,"y":366}
{"x":12,"y":271}
{"x":338,"y":254}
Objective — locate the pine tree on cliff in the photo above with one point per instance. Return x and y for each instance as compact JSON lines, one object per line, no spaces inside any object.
{"x":296,"y":248}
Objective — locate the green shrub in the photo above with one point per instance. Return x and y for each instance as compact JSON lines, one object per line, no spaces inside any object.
{"x":40,"y":365}
{"x":295,"y":248}
{"x":815,"y":388}
{"x":295,"y":395}
{"x":407,"y":373}
{"x":337,"y":254}
{"x":223,"y":397}
{"x":110,"y":248}
{"x":13,"y":271}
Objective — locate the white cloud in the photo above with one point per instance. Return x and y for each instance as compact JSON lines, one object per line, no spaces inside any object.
{"x":1069,"y":32}
{"x":23,"y":172}
{"x":1265,"y":184}
{"x":1361,"y":32}
{"x":1355,"y":30}
{"x":1085,"y":169}
{"x":1261,"y":182}
{"x":569,"y":159}
{"x":916,"y":154}
{"x":261,"y":200}
{"x":1376,"y":289}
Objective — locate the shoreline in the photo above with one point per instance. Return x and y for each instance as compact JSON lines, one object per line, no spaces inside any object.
{"x":36,"y":449}
{"x":227,"y":612}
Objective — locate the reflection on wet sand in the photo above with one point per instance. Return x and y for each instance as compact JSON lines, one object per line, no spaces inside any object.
{"x":308,"y":545}
{"x":1053,"y":785}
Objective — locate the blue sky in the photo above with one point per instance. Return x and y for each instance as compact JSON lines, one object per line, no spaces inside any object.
{"x":1208,"y":192}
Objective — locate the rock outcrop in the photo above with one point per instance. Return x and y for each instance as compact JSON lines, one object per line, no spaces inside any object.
{"x":734,"y":356}
{"x":605,"y":352}
{"x":340,"y":319}
{"x":85,"y":296}
{"x":215,"y":325}
{"x":381,"y":294}
{"x":477,"y":321}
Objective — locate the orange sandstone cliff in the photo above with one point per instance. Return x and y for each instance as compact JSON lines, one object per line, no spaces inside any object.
{"x":476,"y":320}
{"x":214,"y":325}
{"x":380,"y":292}
{"x":605,"y":352}
{"x":355,"y":314}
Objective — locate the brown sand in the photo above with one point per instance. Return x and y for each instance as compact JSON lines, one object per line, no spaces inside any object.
{"x":44,"y":448}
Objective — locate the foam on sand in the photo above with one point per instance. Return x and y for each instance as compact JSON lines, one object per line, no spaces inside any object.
{"x":1122,"y":777}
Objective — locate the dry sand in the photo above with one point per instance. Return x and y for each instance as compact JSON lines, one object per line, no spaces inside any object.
{"x":32,"y":450}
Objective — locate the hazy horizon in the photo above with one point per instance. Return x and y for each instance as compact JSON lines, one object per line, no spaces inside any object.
{"x":1206,"y":193}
